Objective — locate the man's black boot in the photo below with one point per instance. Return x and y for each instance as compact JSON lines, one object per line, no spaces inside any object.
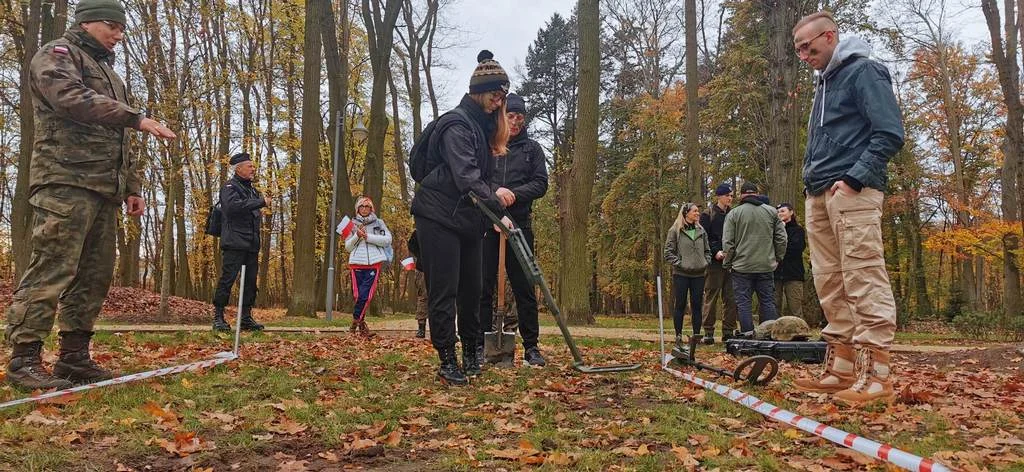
{"x":218,"y":320}
{"x":421,"y":331}
{"x":470,"y":361}
{"x":449,"y":372}
{"x":248,"y":323}
{"x":25,"y":369}
{"x":534,"y":358}
{"x":75,"y":364}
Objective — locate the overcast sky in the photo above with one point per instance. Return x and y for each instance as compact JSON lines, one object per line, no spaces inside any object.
{"x":505,"y":27}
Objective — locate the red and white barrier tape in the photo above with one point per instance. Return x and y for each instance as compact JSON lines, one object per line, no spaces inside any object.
{"x":860,"y":444}
{"x":217,"y":359}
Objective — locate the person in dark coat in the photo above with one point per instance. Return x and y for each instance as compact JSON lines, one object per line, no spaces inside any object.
{"x":241,"y":207}
{"x":790,"y":275}
{"x":449,"y":225}
{"x":718,"y":283}
{"x":520,"y":176}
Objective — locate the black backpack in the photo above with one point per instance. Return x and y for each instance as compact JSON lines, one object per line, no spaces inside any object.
{"x":420,"y":162}
{"x":214,"y":221}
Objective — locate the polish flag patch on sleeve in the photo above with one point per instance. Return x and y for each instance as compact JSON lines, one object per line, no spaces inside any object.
{"x":60,"y":50}
{"x":409,"y":263}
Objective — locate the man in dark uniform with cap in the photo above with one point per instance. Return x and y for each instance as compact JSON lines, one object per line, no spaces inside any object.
{"x":240,"y":205}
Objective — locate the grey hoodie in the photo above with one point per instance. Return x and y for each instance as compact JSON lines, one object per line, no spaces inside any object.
{"x":855,"y":125}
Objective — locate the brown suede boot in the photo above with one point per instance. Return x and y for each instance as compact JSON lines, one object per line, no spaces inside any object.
{"x":874,"y":381}
{"x":75,"y":364}
{"x":839,"y":374}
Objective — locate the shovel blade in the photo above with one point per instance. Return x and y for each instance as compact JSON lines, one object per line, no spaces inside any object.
{"x":499,"y":348}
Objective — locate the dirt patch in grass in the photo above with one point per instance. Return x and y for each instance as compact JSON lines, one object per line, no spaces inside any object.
{"x":1002,"y":358}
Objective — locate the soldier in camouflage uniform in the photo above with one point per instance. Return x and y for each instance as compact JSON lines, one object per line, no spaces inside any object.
{"x":81,"y":172}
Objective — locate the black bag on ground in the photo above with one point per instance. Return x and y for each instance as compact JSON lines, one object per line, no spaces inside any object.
{"x":808,"y":352}
{"x":421,"y":163}
{"x":214,"y":221}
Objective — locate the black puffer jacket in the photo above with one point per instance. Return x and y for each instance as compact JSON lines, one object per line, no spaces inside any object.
{"x":792,"y":265}
{"x":466,"y":165}
{"x":240,"y":205}
{"x":523,"y":171}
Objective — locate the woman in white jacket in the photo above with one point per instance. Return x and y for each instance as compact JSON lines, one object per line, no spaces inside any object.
{"x":367,"y":246}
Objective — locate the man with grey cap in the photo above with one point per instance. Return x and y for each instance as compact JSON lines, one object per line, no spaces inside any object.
{"x":81,"y":172}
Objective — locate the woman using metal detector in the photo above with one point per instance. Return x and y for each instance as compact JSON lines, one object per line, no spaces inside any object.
{"x":521,"y":248}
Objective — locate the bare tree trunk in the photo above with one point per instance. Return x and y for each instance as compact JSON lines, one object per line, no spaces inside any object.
{"x":694,"y":176}
{"x":784,"y":162}
{"x":304,"y":294}
{"x":380,"y":33}
{"x":1009,"y":81}
{"x":578,"y":181}
{"x":396,"y":134}
{"x":21,"y":211}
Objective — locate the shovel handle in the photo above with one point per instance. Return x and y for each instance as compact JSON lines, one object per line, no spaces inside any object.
{"x":501,"y":273}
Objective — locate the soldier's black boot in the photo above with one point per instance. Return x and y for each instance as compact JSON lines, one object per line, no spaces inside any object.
{"x":470,"y":360}
{"x":421,"y":332}
{"x":449,"y":372}
{"x":218,"y":320}
{"x":75,"y":364}
{"x":248,"y":323}
{"x":25,"y":370}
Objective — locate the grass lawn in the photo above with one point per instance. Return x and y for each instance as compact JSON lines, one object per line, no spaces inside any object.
{"x":303,"y":402}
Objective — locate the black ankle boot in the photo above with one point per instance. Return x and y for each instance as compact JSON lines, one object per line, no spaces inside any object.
{"x":421,"y":332}
{"x":470,"y":361}
{"x":75,"y":363}
{"x":449,"y":372}
{"x":218,"y":320}
{"x":25,"y":369}
{"x":248,"y":323}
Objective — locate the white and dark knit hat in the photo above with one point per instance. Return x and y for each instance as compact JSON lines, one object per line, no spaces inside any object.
{"x":488,"y":75}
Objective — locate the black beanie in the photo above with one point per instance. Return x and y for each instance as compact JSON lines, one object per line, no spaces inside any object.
{"x":240,"y":158}
{"x":748,"y":187}
{"x":515,"y":104}
{"x":99,"y":10}
{"x":488,"y":75}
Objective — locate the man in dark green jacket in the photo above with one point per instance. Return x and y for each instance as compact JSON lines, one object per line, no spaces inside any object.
{"x":81,"y":173}
{"x":754,"y":242}
{"x":854,"y":129}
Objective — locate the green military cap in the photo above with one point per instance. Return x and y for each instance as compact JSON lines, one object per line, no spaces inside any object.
{"x":99,"y":10}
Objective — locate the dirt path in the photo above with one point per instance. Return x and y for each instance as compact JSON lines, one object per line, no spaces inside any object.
{"x":409,"y":325}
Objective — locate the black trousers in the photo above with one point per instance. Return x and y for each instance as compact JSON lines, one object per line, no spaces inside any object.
{"x":233,"y":262}
{"x":681,"y":287}
{"x":451,"y":266}
{"x":526,"y":296}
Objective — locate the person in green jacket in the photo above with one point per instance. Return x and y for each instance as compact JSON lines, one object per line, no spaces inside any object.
{"x":688,"y":252}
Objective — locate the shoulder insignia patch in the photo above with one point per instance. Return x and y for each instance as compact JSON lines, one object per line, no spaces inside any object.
{"x":60,"y":50}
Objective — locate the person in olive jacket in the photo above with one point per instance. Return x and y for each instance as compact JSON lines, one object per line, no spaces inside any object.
{"x":688,"y":252}
{"x":522,"y":177}
{"x":241,"y":205}
{"x":449,"y":226}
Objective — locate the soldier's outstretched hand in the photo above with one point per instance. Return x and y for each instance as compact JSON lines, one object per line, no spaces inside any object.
{"x":156,"y":128}
{"x":136,"y":205}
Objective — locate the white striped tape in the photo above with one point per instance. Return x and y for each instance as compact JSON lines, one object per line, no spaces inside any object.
{"x":217,"y":359}
{"x":860,"y":444}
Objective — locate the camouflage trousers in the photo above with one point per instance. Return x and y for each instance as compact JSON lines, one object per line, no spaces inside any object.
{"x":74,"y":233}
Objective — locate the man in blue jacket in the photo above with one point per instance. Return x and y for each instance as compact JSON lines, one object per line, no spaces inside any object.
{"x":855,"y":128}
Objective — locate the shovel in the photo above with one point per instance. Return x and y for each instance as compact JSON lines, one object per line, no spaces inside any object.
{"x":500,"y":345}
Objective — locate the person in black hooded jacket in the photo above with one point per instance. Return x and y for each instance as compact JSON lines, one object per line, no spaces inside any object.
{"x":449,"y":226}
{"x":521,"y":176}
{"x":241,"y":205}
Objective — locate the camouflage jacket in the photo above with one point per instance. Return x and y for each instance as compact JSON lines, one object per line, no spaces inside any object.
{"x":81,"y":112}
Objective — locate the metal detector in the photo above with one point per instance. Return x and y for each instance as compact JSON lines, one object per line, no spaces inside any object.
{"x":521,"y":248}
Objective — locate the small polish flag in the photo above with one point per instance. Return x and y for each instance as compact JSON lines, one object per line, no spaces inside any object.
{"x":345,"y":227}
{"x":60,"y":50}
{"x":409,"y":263}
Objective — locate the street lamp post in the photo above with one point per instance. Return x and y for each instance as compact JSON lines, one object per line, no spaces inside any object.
{"x":359,"y":133}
